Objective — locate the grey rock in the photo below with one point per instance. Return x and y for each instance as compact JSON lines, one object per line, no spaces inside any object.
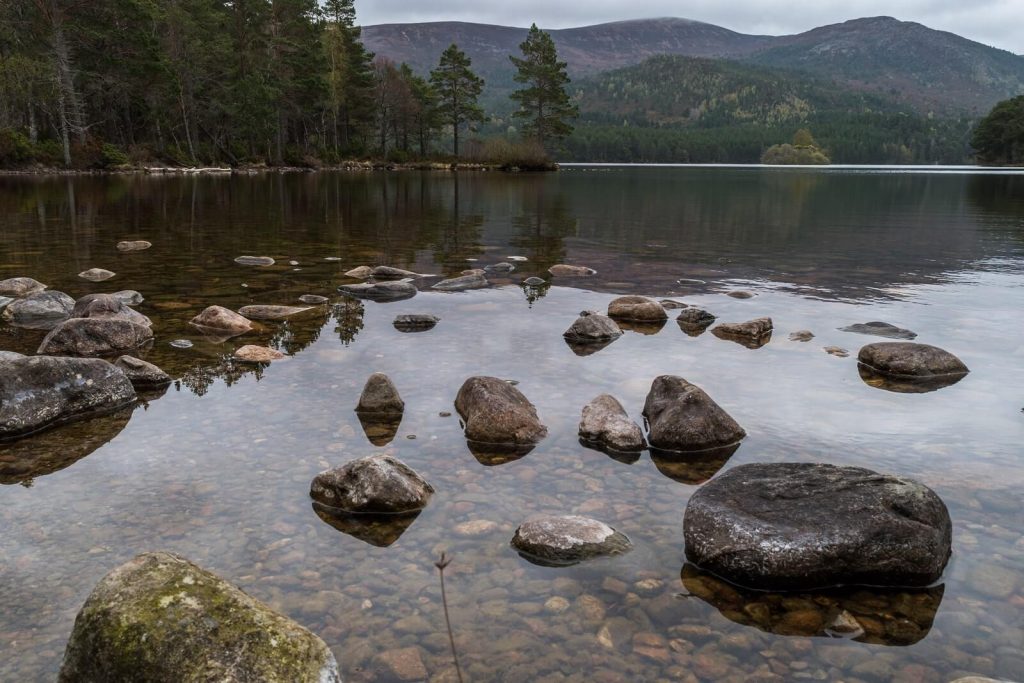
{"x":495,"y":412}
{"x":880,"y":329}
{"x":10,"y":355}
{"x":740,"y":295}
{"x":261,"y":312}
{"x":313,"y":299}
{"x":801,"y":336}
{"x":4,"y":300}
{"x":380,"y":395}
{"x":671,"y":305}
{"x":96,"y":274}
{"x":683,"y":418}
{"x":804,"y":525}
{"x":161,"y":619}
{"x":182,"y":344}
{"x":534,"y":281}
{"x":129,"y":297}
{"x":636,"y":309}
{"x":107,"y":306}
{"x":40,"y":391}
{"x":141,"y":374}
{"x":379,"y":484}
{"x":911,"y":360}
{"x":563,"y":270}
{"x":462,"y":283}
{"x":134,"y":245}
{"x":503,"y":267}
{"x":20,"y":286}
{"x":254,"y":261}
{"x":94,"y":337}
{"x":389,"y":273}
{"x":606,"y":424}
{"x":567,"y":540}
{"x":221,"y":320}
{"x":695,"y":317}
{"x":380,"y":291}
{"x":591,"y":328}
{"x":40,"y":310}
{"x":360,"y":272}
{"x":415,"y":322}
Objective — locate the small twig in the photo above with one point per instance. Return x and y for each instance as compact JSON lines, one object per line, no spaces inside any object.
{"x":443,"y":562}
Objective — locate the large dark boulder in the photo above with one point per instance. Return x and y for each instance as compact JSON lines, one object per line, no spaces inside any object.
{"x":40,"y":391}
{"x":805,"y":525}
{"x":39,"y":310}
{"x":910,"y":360}
{"x":379,"y":484}
{"x":94,"y":337}
{"x":566,"y":540}
{"x":495,"y":412}
{"x":681,"y":417}
{"x":606,"y":424}
{"x":161,"y":619}
{"x":380,"y":291}
{"x":110,"y":306}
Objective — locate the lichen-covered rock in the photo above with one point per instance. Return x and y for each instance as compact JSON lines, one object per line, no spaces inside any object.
{"x":133,"y":245}
{"x":567,"y":540}
{"x":805,"y":525}
{"x":20,"y":286}
{"x":592,"y":328}
{"x":94,"y":337}
{"x":221,"y":320}
{"x":415,"y":322}
{"x":379,"y":484}
{"x":107,"y":306}
{"x":606,"y":424}
{"x":40,"y":310}
{"x":564,"y":270}
{"x":752,"y":334}
{"x":684,"y":418}
{"x":495,"y":412}
{"x":141,"y":374}
{"x":251,"y":353}
{"x":262,"y":312}
{"x":254,"y":261}
{"x":390,"y":273}
{"x":161,"y":619}
{"x":380,"y":291}
{"x":880,"y":329}
{"x":462,"y":283}
{"x":380,"y":395}
{"x":40,"y":391}
{"x":96,"y":274}
{"x":637,"y":309}
{"x":907,"y":359}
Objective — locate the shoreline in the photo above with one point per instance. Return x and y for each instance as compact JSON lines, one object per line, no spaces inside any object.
{"x":32,"y":171}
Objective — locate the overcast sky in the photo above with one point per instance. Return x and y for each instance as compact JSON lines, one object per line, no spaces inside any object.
{"x":993,"y":22}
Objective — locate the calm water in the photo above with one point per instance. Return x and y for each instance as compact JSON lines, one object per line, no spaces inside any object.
{"x":218,"y":468}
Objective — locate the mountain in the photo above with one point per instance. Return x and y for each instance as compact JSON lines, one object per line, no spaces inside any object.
{"x":918,"y":67}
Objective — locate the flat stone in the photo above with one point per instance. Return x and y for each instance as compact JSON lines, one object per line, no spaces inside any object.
{"x":161,"y":619}
{"x":462,"y":283}
{"x":801,"y":525}
{"x":740,"y":295}
{"x":141,"y":374}
{"x":911,"y":360}
{"x":475,"y":528}
{"x":389,"y":273}
{"x":96,"y":274}
{"x":220,"y":319}
{"x":313,"y":299}
{"x":257,"y":354}
{"x":379,"y":484}
{"x":563,"y":270}
{"x":380,"y":395}
{"x":636,"y":309}
{"x":381,"y":291}
{"x":567,"y":540}
{"x":837,"y":351}
{"x":262,"y":312}
{"x":801,"y":336}
{"x":20,"y":286}
{"x":880,"y":329}
{"x":360,"y":272}
{"x":495,"y":412}
{"x":134,"y":245}
{"x":683,"y":418}
{"x":402,"y":665}
{"x":606,"y":424}
{"x":94,"y":337}
{"x":255,"y":261}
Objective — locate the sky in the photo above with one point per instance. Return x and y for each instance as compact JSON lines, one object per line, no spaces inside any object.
{"x":994,"y":22}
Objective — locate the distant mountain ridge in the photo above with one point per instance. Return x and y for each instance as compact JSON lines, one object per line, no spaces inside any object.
{"x":921,"y":68}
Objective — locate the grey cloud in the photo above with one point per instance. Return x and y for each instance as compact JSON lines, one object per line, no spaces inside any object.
{"x":993,"y":22}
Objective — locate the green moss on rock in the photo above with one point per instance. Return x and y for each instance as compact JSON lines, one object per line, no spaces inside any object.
{"x":160,"y":618}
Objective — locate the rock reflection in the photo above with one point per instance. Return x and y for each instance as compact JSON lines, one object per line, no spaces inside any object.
{"x":58,"y":448}
{"x":380,"y":428}
{"x":749,"y":341}
{"x":492,"y":454}
{"x":588,"y":348}
{"x":377,"y":530}
{"x":880,"y":616}
{"x":692,"y":468}
{"x":645,"y":328}
{"x":906,"y":385}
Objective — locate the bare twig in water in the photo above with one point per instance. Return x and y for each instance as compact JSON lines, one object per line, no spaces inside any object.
{"x":443,"y":562}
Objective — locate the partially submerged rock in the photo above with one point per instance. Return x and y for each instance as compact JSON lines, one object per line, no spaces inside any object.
{"x":251,"y":353}
{"x":637,"y":309}
{"x":671,"y":304}
{"x":911,"y":361}
{"x":415,"y":322}
{"x":107,"y":306}
{"x":161,"y":619}
{"x":534,"y":282}
{"x":254,"y":261}
{"x":222,"y":321}
{"x":380,"y":291}
{"x":134,"y":245}
{"x":495,"y":412}
{"x":360,"y":272}
{"x":313,"y":299}
{"x":606,"y":424}
{"x":592,"y":328}
{"x":801,"y":336}
{"x":683,"y":418}
{"x":20,"y":286}
{"x":129,"y":297}
{"x":389,"y":273}
{"x":739,"y":294}
{"x":94,"y":337}
{"x":96,"y":274}
{"x":563,"y":270}
{"x":380,"y":395}
{"x":40,"y":310}
{"x":503,"y":267}
{"x":803,"y":525}
{"x":880,"y":329}
{"x":837,"y":351}
{"x":379,"y":484}
{"x":261,"y":312}
{"x":141,"y":374}
{"x":41,"y":391}
{"x":693,"y":321}
{"x":462,"y":283}
{"x":566,"y":540}
{"x":753,"y":334}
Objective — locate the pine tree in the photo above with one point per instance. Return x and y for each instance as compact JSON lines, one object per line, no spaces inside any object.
{"x":458,"y":89}
{"x":350,"y":79}
{"x":544,"y":103}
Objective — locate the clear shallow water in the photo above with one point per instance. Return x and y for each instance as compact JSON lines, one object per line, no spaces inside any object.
{"x":218,"y":469}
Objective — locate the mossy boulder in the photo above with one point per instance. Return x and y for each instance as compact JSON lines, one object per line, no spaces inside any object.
{"x":160,"y":618}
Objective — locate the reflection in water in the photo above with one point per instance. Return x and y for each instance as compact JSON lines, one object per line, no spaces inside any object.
{"x":380,"y":428}
{"x":58,"y":448}
{"x":492,"y":454}
{"x":869,"y":615}
{"x":692,"y":468}
{"x":349,"y":318}
{"x":644,"y":328}
{"x":906,"y":385}
{"x":747,"y":340}
{"x":377,"y":530}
